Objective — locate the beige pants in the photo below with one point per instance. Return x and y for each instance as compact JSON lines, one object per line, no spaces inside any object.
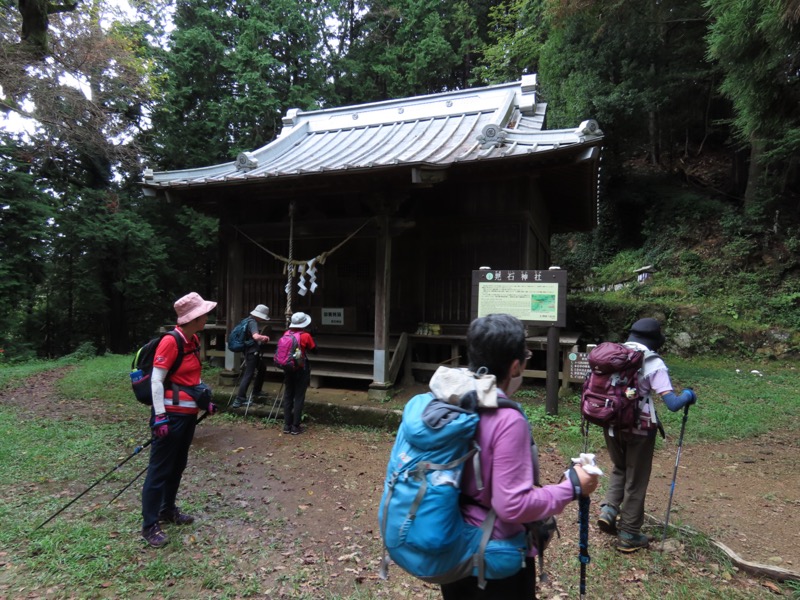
{"x":632,"y":457}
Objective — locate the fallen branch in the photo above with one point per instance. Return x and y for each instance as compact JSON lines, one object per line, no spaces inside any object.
{"x":770,"y":571}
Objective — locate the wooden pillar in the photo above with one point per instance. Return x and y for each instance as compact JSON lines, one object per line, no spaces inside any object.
{"x":234,"y":292}
{"x":551,"y":387}
{"x":383,"y":278}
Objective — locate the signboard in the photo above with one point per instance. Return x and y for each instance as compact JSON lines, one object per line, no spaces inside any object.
{"x":578,"y":365}
{"x":534,"y":297}
{"x":332,"y":316}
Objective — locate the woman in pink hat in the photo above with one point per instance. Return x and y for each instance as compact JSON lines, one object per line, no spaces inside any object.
{"x":174,"y":417}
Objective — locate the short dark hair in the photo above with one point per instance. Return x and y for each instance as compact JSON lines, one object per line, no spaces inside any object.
{"x":494,"y":342}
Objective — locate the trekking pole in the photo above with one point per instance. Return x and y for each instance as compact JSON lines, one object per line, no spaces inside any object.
{"x":140,"y":473}
{"x":237,"y":380}
{"x":587,"y":462}
{"x":136,"y":451}
{"x":275,"y":403}
{"x":584,"y":504}
{"x":132,"y":481}
{"x":675,"y":474}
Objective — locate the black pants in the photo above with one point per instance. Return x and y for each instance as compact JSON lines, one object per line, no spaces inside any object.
{"x":521,"y":586}
{"x":295,"y":384}
{"x":168,"y":458}
{"x":253,"y":364}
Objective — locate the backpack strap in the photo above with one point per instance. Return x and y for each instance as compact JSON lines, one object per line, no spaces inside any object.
{"x":249,"y":342}
{"x":486,"y":529}
{"x":176,"y":365}
{"x":508,"y":403}
{"x":645,"y":371}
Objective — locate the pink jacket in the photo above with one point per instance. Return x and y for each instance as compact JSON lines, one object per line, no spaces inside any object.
{"x":506,"y":467}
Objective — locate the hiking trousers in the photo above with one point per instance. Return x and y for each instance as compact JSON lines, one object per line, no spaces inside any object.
{"x":632,"y":457}
{"x":168,"y":458}
{"x":520,"y":586}
{"x":295,"y":384}
{"x":253,"y":364}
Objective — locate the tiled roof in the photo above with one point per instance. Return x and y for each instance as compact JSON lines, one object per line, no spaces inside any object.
{"x":437,"y":130}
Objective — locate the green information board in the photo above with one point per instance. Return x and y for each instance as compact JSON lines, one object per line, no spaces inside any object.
{"x":534,"y":297}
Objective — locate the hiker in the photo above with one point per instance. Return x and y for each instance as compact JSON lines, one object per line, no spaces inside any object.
{"x":631,"y":450}
{"x":295,"y":381}
{"x":173,"y":420}
{"x":496,"y":343}
{"x":253,"y":360}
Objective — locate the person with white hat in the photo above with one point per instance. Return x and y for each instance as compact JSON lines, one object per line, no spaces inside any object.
{"x":173,"y":419}
{"x":253,"y":362}
{"x":295,"y":382}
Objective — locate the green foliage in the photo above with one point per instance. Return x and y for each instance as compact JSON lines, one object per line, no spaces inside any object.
{"x":516,"y":37}
{"x":758,"y":52}
{"x":24,"y":214}
{"x":232,"y":70}
{"x":411,"y":47}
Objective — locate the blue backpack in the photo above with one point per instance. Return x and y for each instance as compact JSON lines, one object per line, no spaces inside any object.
{"x":238,"y":339}
{"x":420,"y":518}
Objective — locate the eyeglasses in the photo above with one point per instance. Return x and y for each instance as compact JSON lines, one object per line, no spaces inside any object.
{"x":528,"y":354}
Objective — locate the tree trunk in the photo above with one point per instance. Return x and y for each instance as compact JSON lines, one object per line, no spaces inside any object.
{"x":755,"y":172}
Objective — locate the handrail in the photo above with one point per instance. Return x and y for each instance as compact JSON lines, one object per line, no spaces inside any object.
{"x":398,"y":357}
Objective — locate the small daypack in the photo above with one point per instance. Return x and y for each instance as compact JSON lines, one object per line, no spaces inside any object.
{"x":420,"y":517}
{"x":610,"y":396}
{"x":142,"y":367}
{"x":238,"y":339}
{"x":288,"y":354}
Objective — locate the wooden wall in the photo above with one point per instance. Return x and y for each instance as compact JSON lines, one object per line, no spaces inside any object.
{"x":457,"y":227}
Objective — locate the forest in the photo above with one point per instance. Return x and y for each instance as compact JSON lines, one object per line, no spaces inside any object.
{"x":699,"y":102}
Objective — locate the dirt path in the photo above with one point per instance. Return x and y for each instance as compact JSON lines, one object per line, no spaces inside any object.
{"x":315,"y":497}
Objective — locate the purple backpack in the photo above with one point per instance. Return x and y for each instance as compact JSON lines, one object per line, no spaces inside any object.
{"x":610,"y":395}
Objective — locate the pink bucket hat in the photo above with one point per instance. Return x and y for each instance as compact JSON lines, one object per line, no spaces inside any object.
{"x":192,"y":306}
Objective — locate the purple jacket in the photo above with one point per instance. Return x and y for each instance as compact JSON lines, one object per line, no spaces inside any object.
{"x":506,"y":467}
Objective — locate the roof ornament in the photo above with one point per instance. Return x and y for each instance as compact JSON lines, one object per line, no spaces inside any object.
{"x":148,"y":174}
{"x":246,"y":162}
{"x":291,"y":117}
{"x":492,"y":136}
{"x":589,"y":128}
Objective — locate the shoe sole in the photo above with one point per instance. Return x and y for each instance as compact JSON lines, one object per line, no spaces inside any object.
{"x":630,"y":549}
{"x":607,"y":526}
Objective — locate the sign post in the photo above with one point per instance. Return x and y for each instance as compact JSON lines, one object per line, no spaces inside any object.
{"x":535,"y":297}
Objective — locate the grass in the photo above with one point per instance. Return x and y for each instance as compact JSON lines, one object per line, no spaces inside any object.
{"x":92,"y":550}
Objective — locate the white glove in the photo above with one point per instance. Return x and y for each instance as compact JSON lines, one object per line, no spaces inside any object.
{"x":588,"y":464}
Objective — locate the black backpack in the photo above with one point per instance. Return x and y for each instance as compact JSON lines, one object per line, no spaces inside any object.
{"x":142,"y":367}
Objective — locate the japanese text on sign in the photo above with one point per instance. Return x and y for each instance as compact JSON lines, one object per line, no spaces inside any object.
{"x":332,"y":316}
{"x":537,"y":297}
{"x":526,"y":301}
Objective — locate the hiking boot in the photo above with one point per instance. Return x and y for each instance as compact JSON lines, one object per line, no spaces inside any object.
{"x":607,"y":521}
{"x":631,"y":542}
{"x":154,"y":536}
{"x":297,"y":430}
{"x":175,"y":516}
{"x":240,"y":403}
{"x":287,"y":429}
